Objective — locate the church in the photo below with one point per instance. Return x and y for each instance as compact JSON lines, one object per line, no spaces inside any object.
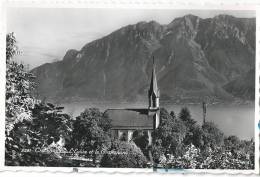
{"x":126,"y":121}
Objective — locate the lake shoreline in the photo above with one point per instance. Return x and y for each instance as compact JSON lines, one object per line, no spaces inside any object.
{"x":232,"y":119}
{"x":234,"y":103}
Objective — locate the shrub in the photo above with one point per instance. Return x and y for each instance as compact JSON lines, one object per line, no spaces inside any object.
{"x":123,"y":155}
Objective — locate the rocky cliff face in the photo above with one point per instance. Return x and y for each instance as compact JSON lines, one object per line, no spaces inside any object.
{"x":243,"y":86}
{"x":195,"y":59}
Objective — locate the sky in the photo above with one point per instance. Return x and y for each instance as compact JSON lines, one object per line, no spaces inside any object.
{"x":45,"y":34}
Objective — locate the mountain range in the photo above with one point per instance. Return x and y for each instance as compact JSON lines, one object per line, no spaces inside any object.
{"x":196,"y":59}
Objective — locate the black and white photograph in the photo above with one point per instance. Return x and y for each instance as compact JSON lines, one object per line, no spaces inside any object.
{"x":159,"y":89}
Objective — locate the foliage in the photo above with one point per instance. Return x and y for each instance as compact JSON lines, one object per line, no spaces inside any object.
{"x":141,"y":139}
{"x":219,"y":158}
{"x":195,"y":137}
{"x":170,"y":133}
{"x":188,"y":160}
{"x":194,"y":132}
{"x":185,"y":116}
{"x":19,"y":103}
{"x":11,"y":47}
{"x":212,"y":136}
{"x":123,"y":155}
{"x":29,"y":122}
{"x":47,"y":125}
{"x":51,"y":122}
{"x":202,"y":147}
{"x":232,"y":142}
{"x":91,"y":131}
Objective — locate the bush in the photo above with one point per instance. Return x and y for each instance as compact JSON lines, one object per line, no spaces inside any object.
{"x":123,"y":155}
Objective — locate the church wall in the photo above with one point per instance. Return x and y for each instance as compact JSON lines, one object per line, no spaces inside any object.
{"x":157,"y":119}
{"x":118,"y":134}
{"x":130,"y":135}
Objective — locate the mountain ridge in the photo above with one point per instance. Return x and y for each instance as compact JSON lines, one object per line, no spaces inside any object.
{"x":195,"y":59}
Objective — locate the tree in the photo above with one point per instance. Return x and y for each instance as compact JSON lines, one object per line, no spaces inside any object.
{"x":181,"y":143}
{"x":19,"y":104}
{"x":157,"y":151}
{"x":50,"y":121}
{"x":185,"y":116}
{"x":232,"y":142}
{"x":91,"y":132}
{"x":194,"y":134}
{"x":29,"y":122}
{"x":197,"y":137}
{"x":123,"y":155}
{"x":170,"y":133}
{"x":141,"y":139}
{"x":212,"y":136}
{"x":172,"y":113}
{"x":189,"y":159}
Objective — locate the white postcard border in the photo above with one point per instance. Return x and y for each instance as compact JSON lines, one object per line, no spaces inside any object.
{"x":134,"y":4}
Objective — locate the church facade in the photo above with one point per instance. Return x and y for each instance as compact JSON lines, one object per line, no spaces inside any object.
{"x":125,"y":121}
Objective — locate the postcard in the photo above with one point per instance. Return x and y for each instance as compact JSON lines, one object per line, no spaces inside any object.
{"x":144,"y":88}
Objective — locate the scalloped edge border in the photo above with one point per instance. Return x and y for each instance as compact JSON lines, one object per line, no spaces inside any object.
{"x":132,"y":4}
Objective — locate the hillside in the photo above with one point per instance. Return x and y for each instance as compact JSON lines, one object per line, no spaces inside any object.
{"x":195,"y":59}
{"x":243,"y":86}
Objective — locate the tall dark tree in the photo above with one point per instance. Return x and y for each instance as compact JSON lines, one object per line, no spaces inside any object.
{"x":185,"y":116}
{"x":19,"y":104}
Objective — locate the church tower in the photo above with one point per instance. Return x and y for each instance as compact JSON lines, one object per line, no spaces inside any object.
{"x":153,"y":98}
{"x":153,"y":93}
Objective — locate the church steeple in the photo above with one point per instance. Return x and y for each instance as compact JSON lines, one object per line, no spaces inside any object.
{"x":153,"y":93}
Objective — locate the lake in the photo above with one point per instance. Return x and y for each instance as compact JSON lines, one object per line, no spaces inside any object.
{"x":231,"y":119}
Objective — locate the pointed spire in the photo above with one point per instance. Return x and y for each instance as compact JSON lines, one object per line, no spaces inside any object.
{"x":153,"y":84}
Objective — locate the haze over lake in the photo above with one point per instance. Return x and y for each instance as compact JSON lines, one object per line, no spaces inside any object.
{"x":231,"y":119}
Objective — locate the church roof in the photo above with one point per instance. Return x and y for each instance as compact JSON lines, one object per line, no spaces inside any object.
{"x":130,"y":119}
